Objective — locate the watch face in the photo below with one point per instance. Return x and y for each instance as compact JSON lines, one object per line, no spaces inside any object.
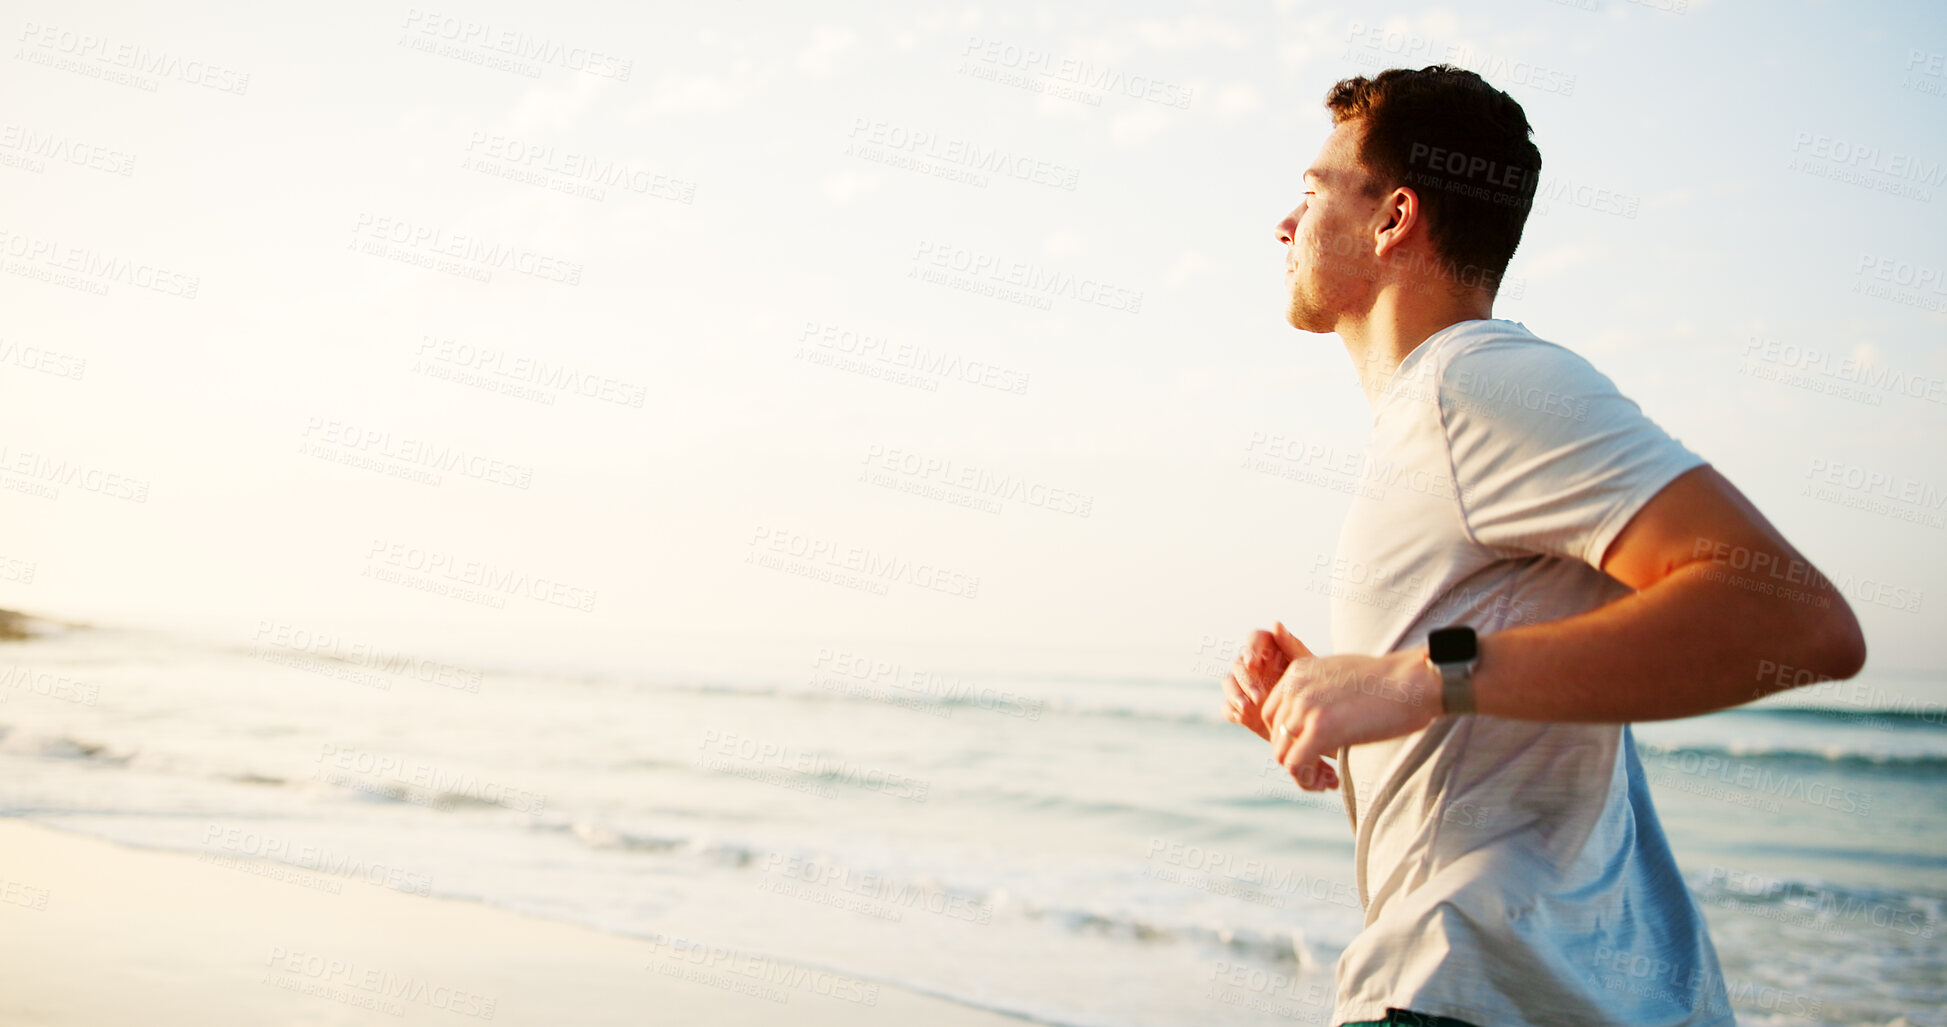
{"x":1451,"y":645}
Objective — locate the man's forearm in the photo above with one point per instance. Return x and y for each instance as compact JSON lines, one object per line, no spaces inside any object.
{"x":1699,"y":640}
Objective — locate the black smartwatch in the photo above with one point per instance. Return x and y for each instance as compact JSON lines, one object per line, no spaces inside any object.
{"x":1454,"y":652}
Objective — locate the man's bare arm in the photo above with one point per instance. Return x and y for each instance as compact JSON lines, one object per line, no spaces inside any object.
{"x":1722,"y":605}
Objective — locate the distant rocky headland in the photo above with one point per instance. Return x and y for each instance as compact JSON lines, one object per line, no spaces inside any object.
{"x":15,"y":626}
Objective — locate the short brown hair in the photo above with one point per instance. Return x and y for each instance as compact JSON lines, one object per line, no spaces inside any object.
{"x":1462,"y":145}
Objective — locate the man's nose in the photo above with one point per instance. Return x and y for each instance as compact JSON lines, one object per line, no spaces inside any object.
{"x":1286,"y":228}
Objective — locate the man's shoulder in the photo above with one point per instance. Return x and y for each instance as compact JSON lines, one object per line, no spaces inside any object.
{"x":1479,"y":344}
{"x":1500,"y":367}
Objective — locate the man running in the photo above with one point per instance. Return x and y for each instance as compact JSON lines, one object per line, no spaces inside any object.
{"x":1540,"y":566}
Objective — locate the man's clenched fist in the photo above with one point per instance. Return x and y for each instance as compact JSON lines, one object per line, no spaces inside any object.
{"x":1255,"y":672}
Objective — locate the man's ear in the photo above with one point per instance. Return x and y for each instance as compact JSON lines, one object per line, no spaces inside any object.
{"x":1398,"y":216}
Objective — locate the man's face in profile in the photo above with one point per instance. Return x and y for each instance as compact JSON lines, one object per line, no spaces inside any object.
{"x":1329,"y":263}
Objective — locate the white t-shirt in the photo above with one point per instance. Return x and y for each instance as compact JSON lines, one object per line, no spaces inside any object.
{"x":1512,"y":871}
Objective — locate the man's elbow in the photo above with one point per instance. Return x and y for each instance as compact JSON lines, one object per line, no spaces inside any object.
{"x":1838,"y":647}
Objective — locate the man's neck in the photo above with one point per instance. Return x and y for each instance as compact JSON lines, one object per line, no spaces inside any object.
{"x":1380,"y":339}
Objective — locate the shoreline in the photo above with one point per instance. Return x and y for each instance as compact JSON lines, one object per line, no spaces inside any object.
{"x":193,"y":942}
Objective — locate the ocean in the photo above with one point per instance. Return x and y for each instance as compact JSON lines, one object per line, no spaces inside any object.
{"x":1072,"y":850}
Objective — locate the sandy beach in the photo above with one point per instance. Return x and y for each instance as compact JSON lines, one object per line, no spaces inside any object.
{"x":94,"y":933}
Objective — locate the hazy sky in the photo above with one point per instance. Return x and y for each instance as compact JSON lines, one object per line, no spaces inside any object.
{"x":638,"y":320}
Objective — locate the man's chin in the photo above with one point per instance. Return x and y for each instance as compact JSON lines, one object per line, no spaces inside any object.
{"x":1306,"y":320}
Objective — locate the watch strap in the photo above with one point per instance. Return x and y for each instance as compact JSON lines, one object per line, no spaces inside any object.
{"x":1456,"y":688}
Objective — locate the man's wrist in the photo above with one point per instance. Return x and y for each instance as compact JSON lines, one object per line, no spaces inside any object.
{"x":1424,"y":681}
{"x":1434,"y":687}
